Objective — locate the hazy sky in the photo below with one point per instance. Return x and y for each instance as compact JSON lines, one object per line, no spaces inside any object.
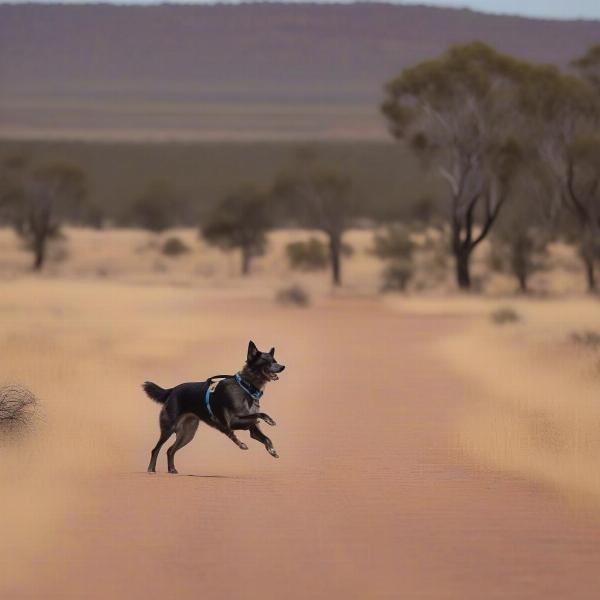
{"x":561,"y":9}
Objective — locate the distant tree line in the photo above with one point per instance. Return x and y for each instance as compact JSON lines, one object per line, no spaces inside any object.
{"x":516,"y":145}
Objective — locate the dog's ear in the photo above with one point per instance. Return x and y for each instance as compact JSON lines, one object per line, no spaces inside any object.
{"x":252,"y":351}
{"x":272,"y":351}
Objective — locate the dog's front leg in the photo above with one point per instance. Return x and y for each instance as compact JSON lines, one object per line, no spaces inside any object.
{"x":224,"y":426}
{"x":257,"y":434}
{"x":231,"y":435}
{"x":264,"y":416}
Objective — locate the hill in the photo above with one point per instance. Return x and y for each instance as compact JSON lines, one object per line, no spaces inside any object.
{"x":246,"y":71}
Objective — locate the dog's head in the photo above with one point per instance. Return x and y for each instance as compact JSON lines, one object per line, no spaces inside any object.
{"x":263,"y":363}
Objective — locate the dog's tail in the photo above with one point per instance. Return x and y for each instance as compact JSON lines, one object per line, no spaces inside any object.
{"x":155,"y":392}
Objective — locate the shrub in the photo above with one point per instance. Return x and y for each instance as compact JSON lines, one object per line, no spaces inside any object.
{"x":505,"y":315}
{"x":589,"y":339}
{"x":17,"y":408}
{"x":397,"y":275}
{"x":174,"y":247}
{"x":310,"y":255}
{"x":394,"y":242}
{"x":394,"y":245}
{"x":293,"y":296}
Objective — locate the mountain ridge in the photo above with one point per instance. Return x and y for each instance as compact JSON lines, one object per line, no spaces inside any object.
{"x":250,"y":70}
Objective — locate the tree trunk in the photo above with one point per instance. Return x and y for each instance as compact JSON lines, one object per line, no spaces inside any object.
{"x":463,"y":276}
{"x":590,"y":273}
{"x":39,"y":253}
{"x":246,"y":259}
{"x":335,"y":249}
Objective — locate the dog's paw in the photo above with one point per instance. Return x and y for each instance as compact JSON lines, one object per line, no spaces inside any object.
{"x":270,"y":421}
{"x":273,"y":452}
{"x":151,"y":470}
{"x":243,"y":446}
{"x":173,"y":471}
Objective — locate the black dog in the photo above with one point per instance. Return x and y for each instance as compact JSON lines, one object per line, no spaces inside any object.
{"x":225,"y":402}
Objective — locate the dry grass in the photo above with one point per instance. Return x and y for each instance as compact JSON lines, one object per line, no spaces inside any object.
{"x":82,"y":348}
{"x":135,"y":256}
{"x":534,"y":394}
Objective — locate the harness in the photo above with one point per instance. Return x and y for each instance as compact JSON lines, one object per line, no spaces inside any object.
{"x":213,"y":382}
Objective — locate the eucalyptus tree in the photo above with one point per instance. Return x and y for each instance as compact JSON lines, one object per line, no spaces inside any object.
{"x":241,"y":221}
{"x":38,"y":200}
{"x":564,"y":117}
{"x":589,"y":65}
{"x":457,"y":112}
{"x":322,"y":199}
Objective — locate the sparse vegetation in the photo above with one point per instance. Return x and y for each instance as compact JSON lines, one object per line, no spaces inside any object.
{"x":17,"y":409}
{"x":37,"y":200}
{"x":293,"y":296}
{"x":157,"y":208}
{"x":320,"y":199}
{"x":240,"y":221}
{"x":505,"y":315}
{"x":395,"y":246}
{"x":310,"y":255}
{"x":174,"y":247}
{"x":587,"y":339}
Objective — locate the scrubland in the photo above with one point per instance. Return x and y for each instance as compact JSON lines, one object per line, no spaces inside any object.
{"x":426,"y":450}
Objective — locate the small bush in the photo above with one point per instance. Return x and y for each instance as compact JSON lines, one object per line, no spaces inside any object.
{"x":505,"y":315}
{"x":393,"y":243}
{"x":174,"y":247}
{"x":311,"y":255}
{"x":17,"y":408}
{"x":395,"y":246}
{"x":293,"y":296}
{"x":589,"y":339}
{"x":397,"y":275}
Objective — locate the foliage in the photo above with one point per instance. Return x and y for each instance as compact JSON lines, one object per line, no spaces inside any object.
{"x":157,"y":208}
{"x":520,"y":240}
{"x":37,"y":200}
{"x":589,"y":65}
{"x":174,"y":247}
{"x":386,"y":179}
{"x":457,"y":113}
{"x":241,"y":220}
{"x":310,"y":255}
{"x":563,"y":116}
{"x":394,"y":245}
{"x":393,"y":242}
{"x":320,"y":199}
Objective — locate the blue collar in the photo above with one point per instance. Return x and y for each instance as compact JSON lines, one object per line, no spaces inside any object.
{"x":250,"y":389}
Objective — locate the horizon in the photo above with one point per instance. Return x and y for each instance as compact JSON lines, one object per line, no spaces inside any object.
{"x":536,"y":9}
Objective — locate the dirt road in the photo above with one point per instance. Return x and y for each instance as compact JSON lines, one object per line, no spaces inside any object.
{"x":370,"y":498}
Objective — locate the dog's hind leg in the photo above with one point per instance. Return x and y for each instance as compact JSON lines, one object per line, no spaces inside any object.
{"x":257,"y":434}
{"x":185,"y":431}
{"x":166,"y":430}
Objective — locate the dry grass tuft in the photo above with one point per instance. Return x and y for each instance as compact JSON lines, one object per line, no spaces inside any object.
{"x":505,"y":315}
{"x":588,"y":339}
{"x":293,"y":296}
{"x":17,"y":408}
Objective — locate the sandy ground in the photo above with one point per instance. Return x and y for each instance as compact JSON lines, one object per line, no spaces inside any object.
{"x":375,"y":494}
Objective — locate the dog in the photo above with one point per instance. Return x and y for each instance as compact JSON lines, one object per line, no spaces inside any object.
{"x":227,"y":403}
